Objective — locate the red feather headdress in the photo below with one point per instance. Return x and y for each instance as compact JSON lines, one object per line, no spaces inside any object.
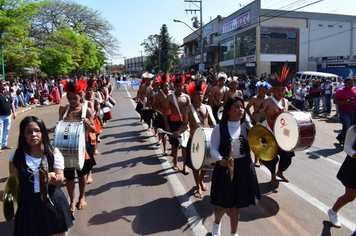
{"x":178,"y":79}
{"x":194,"y":87}
{"x":72,"y":87}
{"x":281,"y":80}
{"x":91,"y":83}
{"x":163,"y":78}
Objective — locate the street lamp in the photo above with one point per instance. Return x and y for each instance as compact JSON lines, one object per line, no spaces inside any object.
{"x":201,"y":36}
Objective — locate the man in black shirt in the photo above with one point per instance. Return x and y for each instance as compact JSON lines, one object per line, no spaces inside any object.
{"x":6,"y":106}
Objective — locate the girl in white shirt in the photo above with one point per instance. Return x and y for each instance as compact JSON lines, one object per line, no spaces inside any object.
{"x":346,"y":174}
{"x":229,"y":139}
{"x":33,"y":216}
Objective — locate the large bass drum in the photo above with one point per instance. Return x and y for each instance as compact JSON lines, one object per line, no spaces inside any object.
{"x":200,"y":149}
{"x":69,"y":138}
{"x":294,"y":131}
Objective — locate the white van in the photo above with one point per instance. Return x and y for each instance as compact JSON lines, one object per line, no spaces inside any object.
{"x":303,"y":75}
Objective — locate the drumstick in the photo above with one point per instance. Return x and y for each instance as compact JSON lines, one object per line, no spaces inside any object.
{"x":159,"y":130}
{"x":130,"y":97}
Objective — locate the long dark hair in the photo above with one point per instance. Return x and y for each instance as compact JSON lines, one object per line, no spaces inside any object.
{"x":227,"y":107}
{"x":22,"y":145}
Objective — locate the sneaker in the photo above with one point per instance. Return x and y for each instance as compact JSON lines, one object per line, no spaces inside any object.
{"x":334,"y":218}
{"x":216,"y":229}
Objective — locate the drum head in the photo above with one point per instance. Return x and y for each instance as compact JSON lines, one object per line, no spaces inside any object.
{"x":106,"y":109}
{"x":286,"y":131}
{"x":220,"y":112}
{"x":197,"y":149}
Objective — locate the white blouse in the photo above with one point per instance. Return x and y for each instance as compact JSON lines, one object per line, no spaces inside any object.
{"x":350,"y":141}
{"x":34,"y":163}
{"x":234,"y":128}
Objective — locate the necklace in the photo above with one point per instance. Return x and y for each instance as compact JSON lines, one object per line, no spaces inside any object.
{"x":4,"y":97}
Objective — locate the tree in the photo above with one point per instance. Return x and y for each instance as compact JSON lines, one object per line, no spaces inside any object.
{"x":57,"y":14}
{"x":151,"y":48}
{"x":19,"y":50}
{"x":164,"y":47}
{"x":173,"y":56}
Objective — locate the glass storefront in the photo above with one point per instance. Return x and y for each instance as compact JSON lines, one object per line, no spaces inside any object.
{"x":226,"y":50}
{"x":246,"y":45}
{"x":278,"y":42}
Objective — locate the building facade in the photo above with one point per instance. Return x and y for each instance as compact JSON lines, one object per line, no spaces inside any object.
{"x":255,"y":41}
{"x":135,"y":65}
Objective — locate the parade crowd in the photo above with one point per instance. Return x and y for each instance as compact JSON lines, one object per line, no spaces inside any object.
{"x":176,"y":108}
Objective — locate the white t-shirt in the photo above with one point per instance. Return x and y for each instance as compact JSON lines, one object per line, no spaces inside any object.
{"x":34,"y":163}
{"x":235,"y":131}
{"x":350,"y":140}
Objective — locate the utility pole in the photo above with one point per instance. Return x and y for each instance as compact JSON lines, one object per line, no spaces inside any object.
{"x":143,"y":66}
{"x":201,"y":65}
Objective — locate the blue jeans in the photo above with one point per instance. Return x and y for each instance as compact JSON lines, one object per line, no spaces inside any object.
{"x":328,"y":103}
{"x":345,"y":121}
{"x":316,"y":102}
{"x":5,"y":124}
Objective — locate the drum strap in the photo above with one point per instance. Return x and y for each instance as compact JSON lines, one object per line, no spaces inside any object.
{"x":210,"y":113}
{"x":84,"y":110}
{"x":164,"y":95}
{"x":176,"y":103}
{"x":277,"y":103}
{"x":100,"y":97}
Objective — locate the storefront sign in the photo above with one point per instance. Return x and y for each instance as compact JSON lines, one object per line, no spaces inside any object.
{"x":240,"y":22}
{"x":244,"y":60}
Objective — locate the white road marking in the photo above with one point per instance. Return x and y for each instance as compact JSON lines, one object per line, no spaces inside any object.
{"x":187,"y":206}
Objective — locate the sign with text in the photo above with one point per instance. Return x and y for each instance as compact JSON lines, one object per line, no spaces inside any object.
{"x":240,"y":22}
{"x":244,"y":60}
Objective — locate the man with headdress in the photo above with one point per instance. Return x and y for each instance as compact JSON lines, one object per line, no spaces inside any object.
{"x":176,"y":118}
{"x":255,"y":102}
{"x":213,"y":84}
{"x":94,"y":104}
{"x":203,"y":118}
{"x":145,"y":94}
{"x":233,"y":92}
{"x":216,"y":99}
{"x":74,"y":112}
{"x":271,"y":108}
{"x":160,"y":98}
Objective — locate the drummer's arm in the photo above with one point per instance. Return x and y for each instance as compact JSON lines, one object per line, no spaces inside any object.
{"x":165,"y":118}
{"x":247,"y":109}
{"x":184,"y":125}
{"x":89,"y":121}
{"x":96,"y":108}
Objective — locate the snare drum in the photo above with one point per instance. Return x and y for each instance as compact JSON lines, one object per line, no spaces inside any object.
{"x":107,"y":113}
{"x":69,"y":138}
{"x":200,"y":149}
{"x":112,"y":101}
{"x":294,"y":131}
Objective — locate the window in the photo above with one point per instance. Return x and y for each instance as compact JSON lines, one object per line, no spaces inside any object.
{"x":211,"y":39}
{"x":227,"y":50}
{"x":320,"y":25}
{"x":340,"y":26}
{"x":278,"y":42}
{"x":331,"y":26}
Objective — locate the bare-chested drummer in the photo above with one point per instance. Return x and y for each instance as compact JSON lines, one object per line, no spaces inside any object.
{"x":255,"y":102}
{"x":176,"y":118}
{"x":203,"y":118}
{"x":74,"y":112}
{"x":159,"y":101}
{"x":216,"y":99}
{"x":145,"y":94}
{"x":272,"y":107}
{"x":233,"y":92}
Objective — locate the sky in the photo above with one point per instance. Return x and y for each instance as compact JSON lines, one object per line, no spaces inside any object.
{"x":135,"y":20}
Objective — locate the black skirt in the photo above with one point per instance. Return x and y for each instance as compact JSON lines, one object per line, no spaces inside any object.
{"x":34,"y":217}
{"x":139,"y":107}
{"x":242,"y":191}
{"x":347,"y":173}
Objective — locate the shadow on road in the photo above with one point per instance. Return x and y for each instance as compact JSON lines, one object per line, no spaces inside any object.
{"x":326,"y":152}
{"x":160,"y":215}
{"x":147,"y":180}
